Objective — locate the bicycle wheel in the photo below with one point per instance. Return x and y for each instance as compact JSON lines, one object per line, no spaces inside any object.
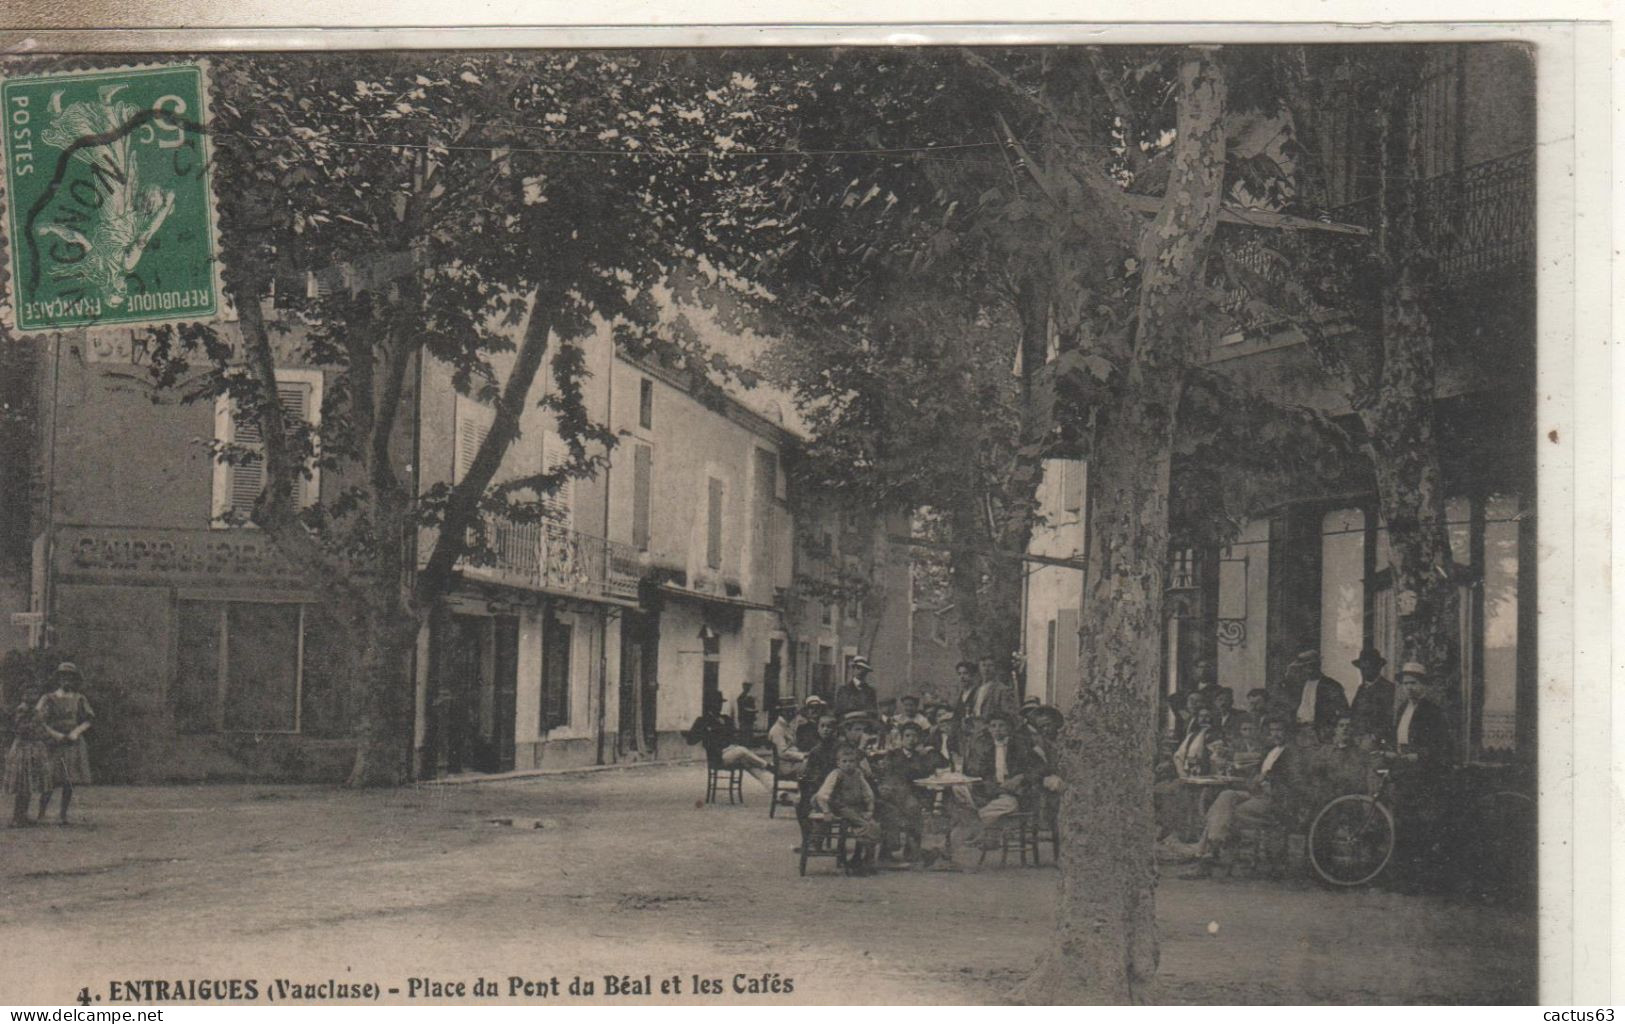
{"x":1351,"y":840}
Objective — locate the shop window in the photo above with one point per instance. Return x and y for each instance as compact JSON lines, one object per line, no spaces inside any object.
{"x":258,"y":667}
{"x":237,"y":485}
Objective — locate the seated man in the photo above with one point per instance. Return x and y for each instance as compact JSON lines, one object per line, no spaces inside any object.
{"x":1192,"y":756}
{"x":909,"y":711}
{"x":1341,"y":767}
{"x":1274,"y":793}
{"x":818,"y":763}
{"x":783,"y":737}
{"x":860,"y":730}
{"x":1257,"y":698}
{"x":1225,"y":715}
{"x":901,"y":814}
{"x":944,"y":737}
{"x":1047,"y":751}
{"x":1246,"y":752}
{"x":845,"y":793}
{"x":715,"y":731}
{"x":1004,"y":764}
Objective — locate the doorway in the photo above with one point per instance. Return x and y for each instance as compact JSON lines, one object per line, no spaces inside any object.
{"x":639,"y":684}
{"x":476,"y":694}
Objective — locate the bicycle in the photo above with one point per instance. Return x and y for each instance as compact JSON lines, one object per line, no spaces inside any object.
{"x":1490,"y":829}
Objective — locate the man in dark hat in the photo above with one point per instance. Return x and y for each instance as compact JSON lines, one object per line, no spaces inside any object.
{"x":1373,"y":706}
{"x":857,"y":694}
{"x":1321,"y":700}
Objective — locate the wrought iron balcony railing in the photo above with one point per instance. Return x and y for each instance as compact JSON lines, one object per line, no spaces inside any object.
{"x":1479,"y":220}
{"x":553,"y":557}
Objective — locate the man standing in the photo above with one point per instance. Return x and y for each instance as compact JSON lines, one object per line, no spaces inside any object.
{"x":1322,"y":700}
{"x":1373,"y":706}
{"x":857,"y":694}
{"x":745,"y":713}
{"x":1422,"y":745}
{"x":981,"y":698}
{"x":1420,"y":734}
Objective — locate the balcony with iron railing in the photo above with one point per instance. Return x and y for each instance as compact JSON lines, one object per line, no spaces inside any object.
{"x":1478,"y":220}
{"x":551,"y":557}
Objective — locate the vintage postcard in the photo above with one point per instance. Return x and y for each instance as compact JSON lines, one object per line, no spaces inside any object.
{"x":624,"y":518}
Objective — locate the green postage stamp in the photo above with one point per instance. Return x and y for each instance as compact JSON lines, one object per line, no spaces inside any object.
{"x":109,"y":215}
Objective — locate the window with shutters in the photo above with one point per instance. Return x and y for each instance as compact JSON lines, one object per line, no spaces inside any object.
{"x":473,"y":424}
{"x":642,"y":473}
{"x":561,"y":503}
{"x":237,"y":485}
{"x":713,"y":523}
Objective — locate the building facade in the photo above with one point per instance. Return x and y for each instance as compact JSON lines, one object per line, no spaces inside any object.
{"x":592,"y":637}
{"x":1314,"y":572}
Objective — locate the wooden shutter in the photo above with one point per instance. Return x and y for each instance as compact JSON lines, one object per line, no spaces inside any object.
{"x":295,"y":399}
{"x":1073,"y":475}
{"x":247,"y":478}
{"x":713,"y":534}
{"x":561,"y":503}
{"x":642,"y":466}
{"x":470,"y":436}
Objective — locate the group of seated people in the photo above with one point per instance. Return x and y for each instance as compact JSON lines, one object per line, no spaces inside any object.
{"x":1300,"y":744}
{"x":863,"y":768}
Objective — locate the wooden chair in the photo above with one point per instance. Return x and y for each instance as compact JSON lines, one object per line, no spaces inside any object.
{"x":1018,"y":829}
{"x":780,"y":785}
{"x":731,"y":779}
{"x":824,"y":836}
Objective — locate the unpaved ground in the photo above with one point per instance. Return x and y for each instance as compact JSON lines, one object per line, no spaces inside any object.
{"x":629,"y":876}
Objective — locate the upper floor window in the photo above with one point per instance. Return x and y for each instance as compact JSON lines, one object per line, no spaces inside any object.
{"x":561,"y":503}
{"x":713,"y":522}
{"x":646,"y":403}
{"x":473,"y":424}
{"x":642,"y":480}
{"x":237,"y":485}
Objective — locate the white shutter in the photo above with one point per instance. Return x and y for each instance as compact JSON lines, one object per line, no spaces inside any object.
{"x":245,"y":480}
{"x":561,"y":503}
{"x":295,"y":399}
{"x":470,"y":436}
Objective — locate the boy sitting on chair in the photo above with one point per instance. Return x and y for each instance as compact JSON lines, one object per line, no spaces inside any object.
{"x":846,"y":794}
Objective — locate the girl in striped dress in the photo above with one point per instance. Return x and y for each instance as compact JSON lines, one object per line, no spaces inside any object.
{"x":28,"y":761}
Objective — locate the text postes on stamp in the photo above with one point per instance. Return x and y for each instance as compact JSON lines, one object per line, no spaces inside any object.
{"x":109,"y":218}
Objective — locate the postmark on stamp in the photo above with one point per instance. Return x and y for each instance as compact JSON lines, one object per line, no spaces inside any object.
{"x":109,"y":215}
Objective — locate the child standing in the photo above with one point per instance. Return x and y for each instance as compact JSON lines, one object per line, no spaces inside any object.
{"x":28,"y":762}
{"x":846,"y":794}
{"x":66,"y":715}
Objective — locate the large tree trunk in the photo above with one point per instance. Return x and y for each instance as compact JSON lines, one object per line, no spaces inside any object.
{"x":388,"y":642}
{"x":1410,"y":486}
{"x":1106,"y":942}
{"x":1106,"y":949}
